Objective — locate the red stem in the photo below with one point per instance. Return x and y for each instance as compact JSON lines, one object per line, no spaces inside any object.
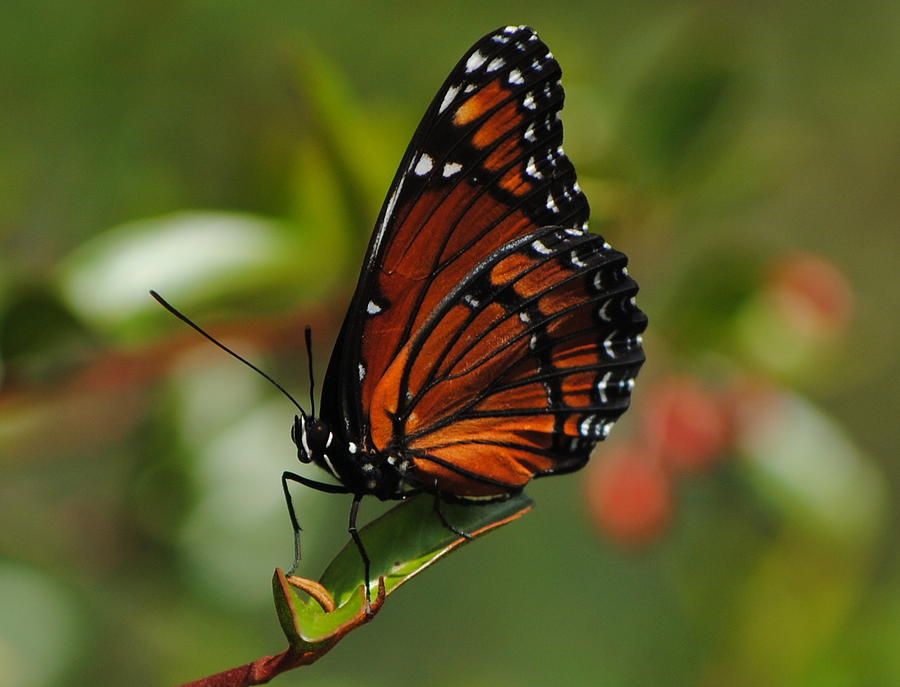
{"x":260,"y":671}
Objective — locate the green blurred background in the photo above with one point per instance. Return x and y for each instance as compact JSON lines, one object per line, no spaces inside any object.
{"x":740,"y":526}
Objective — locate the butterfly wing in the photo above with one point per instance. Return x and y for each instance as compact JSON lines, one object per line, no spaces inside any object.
{"x":482,"y":179}
{"x":481,"y":169}
{"x":519,"y":371}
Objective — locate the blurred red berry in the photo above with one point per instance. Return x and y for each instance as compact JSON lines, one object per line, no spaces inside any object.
{"x":812,"y":294}
{"x":629,"y":495}
{"x":687,"y":423}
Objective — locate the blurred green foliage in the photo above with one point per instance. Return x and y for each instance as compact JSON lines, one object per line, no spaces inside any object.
{"x":234,"y":156}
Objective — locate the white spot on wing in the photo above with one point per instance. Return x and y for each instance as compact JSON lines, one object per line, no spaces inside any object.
{"x":451,"y":168}
{"x":541,"y":247}
{"x":529,"y":134}
{"x":608,"y":345}
{"x":515,"y":76}
{"x":601,"y":386}
{"x":495,"y":64}
{"x":388,"y":214}
{"x":362,"y":372}
{"x":584,"y":429}
{"x":532,"y":169}
{"x":529,"y":101}
{"x":449,"y":96}
{"x":476,"y":59}
{"x":551,"y":203}
{"x":578,"y":262}
{"x":373,"y":308}
{"x":424,"y":165}
{"x":602,"y":310}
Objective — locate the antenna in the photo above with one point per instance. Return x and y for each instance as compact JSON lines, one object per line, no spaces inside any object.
{"x":162,"y":301}
{"x":312,"y":382}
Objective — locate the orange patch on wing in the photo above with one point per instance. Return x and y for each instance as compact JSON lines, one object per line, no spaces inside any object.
{"x":579,"y":400}
{"x":577,"y":389}
{"x":491,"y":428}
{"x":385,"y":397}
{"x":469,"y":377}
{"x":513,"y":182}
{"x":510,"y":466}
{"x":531,"y":395}
{"x":502,"y":155}
{"x":413,"y":249}
{"x":430,"y":473}
{"x":586,"y":354}
{"x":557,"y":300}
{"x":510,"y":268}
{"x":480,"y":102}
{"x":431,"y":351}
{"x":468,"y":347}
{"x":488,"y":225}
{"x":502,"y":121}
{"x":571,"y":427}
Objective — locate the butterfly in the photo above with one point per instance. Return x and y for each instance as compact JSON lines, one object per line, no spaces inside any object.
{"x":492,"y":339}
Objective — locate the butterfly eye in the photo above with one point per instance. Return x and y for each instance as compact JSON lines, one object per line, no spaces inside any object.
{"x":295,"y":437}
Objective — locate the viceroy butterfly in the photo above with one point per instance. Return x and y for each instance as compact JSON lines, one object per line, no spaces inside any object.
{"x":491,"y":339}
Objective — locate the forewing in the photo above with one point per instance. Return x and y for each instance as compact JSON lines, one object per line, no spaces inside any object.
{"x":484,"y":167}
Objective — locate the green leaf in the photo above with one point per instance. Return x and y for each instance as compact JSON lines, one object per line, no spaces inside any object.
{"x":411,"y":536}
{"x":401,"y":543}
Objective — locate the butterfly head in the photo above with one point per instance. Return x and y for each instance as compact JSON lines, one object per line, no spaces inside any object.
{"x":312,"y":438}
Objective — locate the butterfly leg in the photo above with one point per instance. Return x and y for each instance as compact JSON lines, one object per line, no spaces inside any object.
{"x":305,"y":481}
{"x":450,"y":526}
{"x":354,"y":511}
{"x":296,"y":525}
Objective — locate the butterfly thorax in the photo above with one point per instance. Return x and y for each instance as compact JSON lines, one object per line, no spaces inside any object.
{"x":360,"y":470}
